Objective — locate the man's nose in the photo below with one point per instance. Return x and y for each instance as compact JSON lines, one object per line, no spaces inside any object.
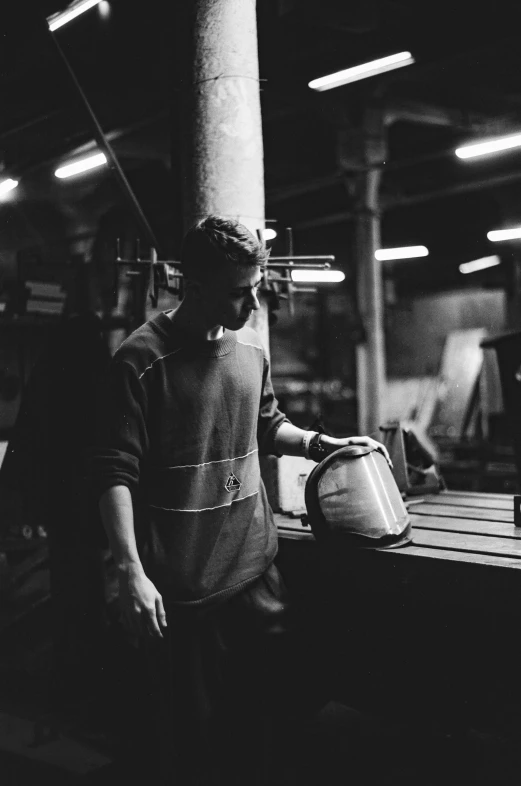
{"x":255,"y":305}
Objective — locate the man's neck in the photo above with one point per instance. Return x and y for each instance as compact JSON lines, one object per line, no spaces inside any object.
{"x":189,"y":320}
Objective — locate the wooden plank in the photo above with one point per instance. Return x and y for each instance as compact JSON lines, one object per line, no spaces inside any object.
{"x":463,"y":542}
{"x":498,"y":529}
{"x":473,"y":494}
{"x":471,"y":502}
{"x":295,"y":534}
{"x":466,"y":547}
{"x":417,"y":550}
{"x":475,"y":504}
{"x":474,"y":558}
{"x":460,"y":512}
{"x":465,"y":525}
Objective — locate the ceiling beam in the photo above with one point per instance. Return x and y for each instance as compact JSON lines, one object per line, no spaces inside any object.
{"x":426,"y":113}
{"x":454,"y":190}
{"x":74,"y":150}
{"x":413,"y":199}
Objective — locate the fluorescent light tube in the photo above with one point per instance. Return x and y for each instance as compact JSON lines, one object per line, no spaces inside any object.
{"x":317,"y":276}
{"x":81,"y":166}
{"x":406,"y":252}
{"x":269,"y":234}
{"x":504,"y":234}
{"x":104,"y":9}
{"x":492,"y":146}
{"x":362,"y":71}
{"x":479,"y":264}
{"x":71,"y":12}
{"x":7,"y":185}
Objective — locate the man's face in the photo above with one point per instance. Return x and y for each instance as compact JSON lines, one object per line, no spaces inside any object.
{"x":230,"y":298}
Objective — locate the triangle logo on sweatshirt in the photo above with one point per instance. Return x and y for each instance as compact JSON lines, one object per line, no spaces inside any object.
{"x":233,"y":483}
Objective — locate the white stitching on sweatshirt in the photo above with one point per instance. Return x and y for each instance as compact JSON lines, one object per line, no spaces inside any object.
{"x":217,"y":461}
{"x":157,"y":359}
{"x":200,"y":510}
{"x":245,"y":344}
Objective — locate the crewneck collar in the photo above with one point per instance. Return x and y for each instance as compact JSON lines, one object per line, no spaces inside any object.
{"x":200,"y":346}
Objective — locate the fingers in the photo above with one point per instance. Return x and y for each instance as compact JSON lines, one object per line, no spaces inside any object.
{"x":385,"y":453}
{"x":154,"y":616}
{"x":160,"y":611}
{"x":370,"y":442}
{"x":153,"y":628}
{"x":145,"y":621}
{"x":383,"y":450}
{"x":142,"y":610}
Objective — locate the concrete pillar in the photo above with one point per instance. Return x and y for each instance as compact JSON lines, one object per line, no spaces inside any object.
{"x":513,"y":290}
{"x":370,"y":353}
{"x":361,"y":150}
{"x":222,"y":150}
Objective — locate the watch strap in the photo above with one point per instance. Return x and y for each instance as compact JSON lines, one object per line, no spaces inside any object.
{"x":317,"y":450}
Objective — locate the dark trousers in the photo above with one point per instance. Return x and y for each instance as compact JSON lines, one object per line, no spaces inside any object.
{"x":227,"y":690}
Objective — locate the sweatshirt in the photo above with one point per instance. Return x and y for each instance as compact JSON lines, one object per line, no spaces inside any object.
{"x":184,"y":424}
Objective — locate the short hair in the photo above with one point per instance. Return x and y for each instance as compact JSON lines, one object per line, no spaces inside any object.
{"x":216,"y":240}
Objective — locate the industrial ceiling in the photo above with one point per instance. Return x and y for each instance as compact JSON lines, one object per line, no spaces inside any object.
{"x":465,"y":84}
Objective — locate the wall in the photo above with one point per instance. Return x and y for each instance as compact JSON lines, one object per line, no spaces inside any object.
{"x":416,"y":328}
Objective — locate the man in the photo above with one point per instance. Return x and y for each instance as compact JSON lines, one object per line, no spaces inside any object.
{"x":190,"y":407}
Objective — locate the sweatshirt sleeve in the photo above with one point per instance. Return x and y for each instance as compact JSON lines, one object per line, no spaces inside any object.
{"x":122,"y":441}
{"x":270,"y":417}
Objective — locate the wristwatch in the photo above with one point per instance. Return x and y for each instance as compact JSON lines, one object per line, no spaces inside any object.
{"x":317,"y":450}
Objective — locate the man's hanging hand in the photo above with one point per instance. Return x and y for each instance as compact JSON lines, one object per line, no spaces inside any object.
{"x":142,"y":610}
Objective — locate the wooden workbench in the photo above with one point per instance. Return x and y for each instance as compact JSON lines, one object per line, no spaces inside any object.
{"x":452,"y":525}
{"x":441,"y":616}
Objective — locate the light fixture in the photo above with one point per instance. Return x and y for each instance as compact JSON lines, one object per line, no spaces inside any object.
{"x":83,"y":165}
{"x":504,"y":234}
{"x":104,"y":9}
{"x":406,"y":252}
{"x":492,"y":146}
{"x":269,"y":234}
{"x":362,"y":71}
{"x":479,"y":264}
{"x":71,"y":12}
{"x":7,"y":185}
{"x":317,"y":276}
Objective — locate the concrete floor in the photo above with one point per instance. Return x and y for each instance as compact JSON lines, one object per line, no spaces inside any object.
{"x":41,"y":744}
{"x":347,"y":747}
